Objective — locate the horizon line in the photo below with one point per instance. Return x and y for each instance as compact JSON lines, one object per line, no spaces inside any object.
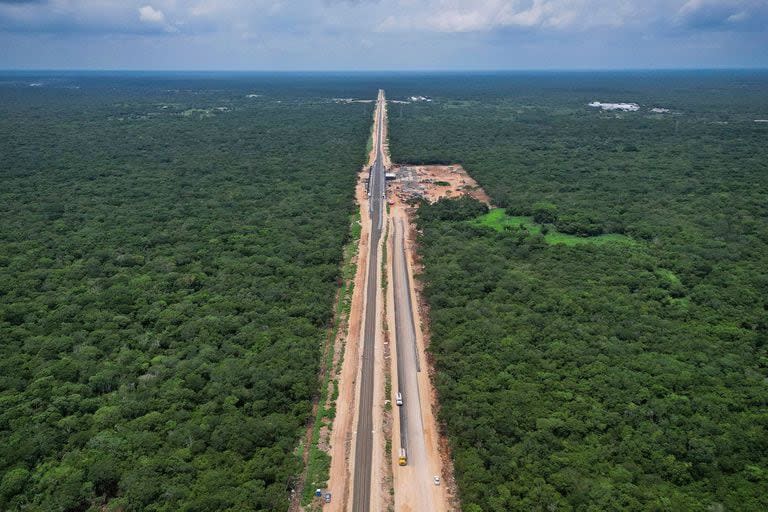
{"x":392,"y":70}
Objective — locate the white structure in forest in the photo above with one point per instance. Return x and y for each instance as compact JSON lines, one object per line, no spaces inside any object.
{"x":624,"y":107}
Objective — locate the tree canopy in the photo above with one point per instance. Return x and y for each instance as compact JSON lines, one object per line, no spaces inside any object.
{"x":608,"y":376}
{"x":169,"y":254}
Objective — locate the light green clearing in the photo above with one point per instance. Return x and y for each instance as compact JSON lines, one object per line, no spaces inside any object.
{"x":668,"y":275}
{"x":499,"y":220}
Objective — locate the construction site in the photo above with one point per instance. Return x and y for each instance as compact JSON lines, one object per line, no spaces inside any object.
{"x":414,"y":183}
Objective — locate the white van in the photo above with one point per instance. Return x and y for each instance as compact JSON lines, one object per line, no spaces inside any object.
{"x":399,"y":399}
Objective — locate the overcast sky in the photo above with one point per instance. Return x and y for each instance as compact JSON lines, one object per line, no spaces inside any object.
{"x":382,"y":34}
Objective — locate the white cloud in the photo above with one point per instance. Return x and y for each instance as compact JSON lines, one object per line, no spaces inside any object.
{"x":488,"y":15}
{"x":361,"y":17}
{"x":416,"y":34}
{"x":724,"y":14}
{"x":738,"y":17}
{"x":149,"y":14}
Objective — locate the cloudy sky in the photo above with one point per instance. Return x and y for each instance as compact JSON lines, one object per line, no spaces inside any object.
{"x":382,"y":34}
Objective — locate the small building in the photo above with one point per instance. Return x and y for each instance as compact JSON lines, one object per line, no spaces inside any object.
{"x":390,"y":176}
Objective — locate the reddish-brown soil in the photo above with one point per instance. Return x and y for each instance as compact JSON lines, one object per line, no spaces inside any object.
{"x":433,"y":182}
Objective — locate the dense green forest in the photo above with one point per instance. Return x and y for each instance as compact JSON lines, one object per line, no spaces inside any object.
{"x":611,"y":376}
{"x":169,"y":253}
{"x":170,"y":248}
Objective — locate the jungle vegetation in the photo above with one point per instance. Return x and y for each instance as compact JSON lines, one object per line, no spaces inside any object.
{"x":611,"y":376}
{"x":169,"y":255}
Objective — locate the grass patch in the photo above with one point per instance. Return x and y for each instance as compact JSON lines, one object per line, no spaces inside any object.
{"x":498,"y":220}
{"x":384,"y":260}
